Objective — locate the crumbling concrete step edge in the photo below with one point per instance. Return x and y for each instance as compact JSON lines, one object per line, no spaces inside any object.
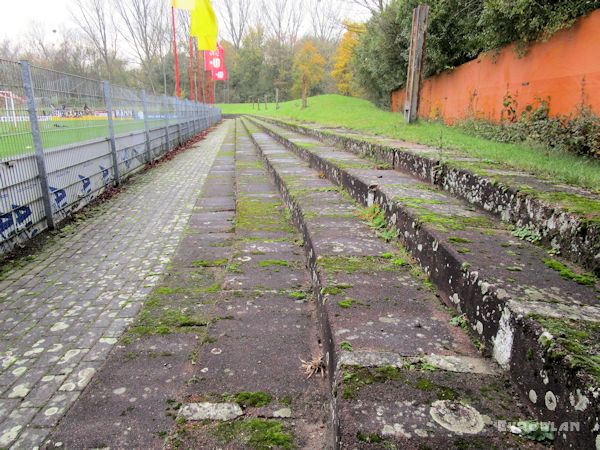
{"x":576,"y":238}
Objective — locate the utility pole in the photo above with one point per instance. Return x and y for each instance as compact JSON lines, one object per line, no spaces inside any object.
{"x":415,"y":62}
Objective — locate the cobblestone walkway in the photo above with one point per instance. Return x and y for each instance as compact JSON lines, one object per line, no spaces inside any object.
{"x":62,"y":313}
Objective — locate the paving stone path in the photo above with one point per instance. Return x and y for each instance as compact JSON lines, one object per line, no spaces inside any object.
{"x":62,"y":313}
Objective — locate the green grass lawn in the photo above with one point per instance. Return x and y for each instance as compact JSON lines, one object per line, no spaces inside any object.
{"x":17,"y":140}
{"x":361,"y":115}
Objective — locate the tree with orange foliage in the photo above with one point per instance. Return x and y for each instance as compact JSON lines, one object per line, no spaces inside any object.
{"x":308,"y":69}
{"x":342,"y":72}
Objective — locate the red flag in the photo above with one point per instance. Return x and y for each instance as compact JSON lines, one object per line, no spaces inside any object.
{"x":217,"y":65}
{"x":209,"y":58}
{"x":219,"y":74}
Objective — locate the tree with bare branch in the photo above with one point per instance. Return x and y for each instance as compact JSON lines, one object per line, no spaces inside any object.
{"x":375,"y":6}
{"x":325,"y":20}
{"x":93,"y":19}
{"x":283,"y":19}
{"x":144,"y":28}
{"x":235,"y":19}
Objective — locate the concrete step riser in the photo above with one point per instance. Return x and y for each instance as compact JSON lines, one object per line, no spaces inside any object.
{"x":508,"y":337}
{"x":576,"y":240}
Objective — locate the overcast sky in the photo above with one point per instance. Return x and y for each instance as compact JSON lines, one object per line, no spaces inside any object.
{"x":54,"y":14}
{"x":17,"y":14}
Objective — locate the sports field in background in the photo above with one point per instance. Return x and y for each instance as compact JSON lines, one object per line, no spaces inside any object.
{"x":17,"y":140}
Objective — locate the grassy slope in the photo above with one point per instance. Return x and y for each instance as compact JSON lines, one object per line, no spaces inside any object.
{"x":361,"y":115}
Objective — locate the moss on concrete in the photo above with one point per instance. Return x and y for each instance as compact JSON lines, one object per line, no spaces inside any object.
{"x":439,"y":391}
{"x":253,"y":399}
{"x":575,"y":341}
{"x":587,"y":279}
{"x":257,"y":434}
{"x":354,"y":264}
{"x":274,"y":262}
{"x":355,"y":378}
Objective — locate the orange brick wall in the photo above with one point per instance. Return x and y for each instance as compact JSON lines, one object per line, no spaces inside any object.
{"x":565,"y":68}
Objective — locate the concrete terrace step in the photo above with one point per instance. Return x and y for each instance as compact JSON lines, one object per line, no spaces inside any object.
{"x":249,"y":389}
{"x":541,"y":326}
{"x":402,"y":375}
{"x":562,"y":217}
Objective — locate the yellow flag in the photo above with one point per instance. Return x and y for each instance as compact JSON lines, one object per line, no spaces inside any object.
{"x":184,"y":4}
{"x":204,"y":25}
{"x":207,"y":43}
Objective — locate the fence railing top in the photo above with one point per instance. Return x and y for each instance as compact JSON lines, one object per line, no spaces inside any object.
{"x":58,"y":72}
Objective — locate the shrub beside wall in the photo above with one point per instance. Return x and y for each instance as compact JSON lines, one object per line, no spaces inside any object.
{"x":579,"y":133}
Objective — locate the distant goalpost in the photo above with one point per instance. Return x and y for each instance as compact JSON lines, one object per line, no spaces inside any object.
{"x":9,"y":106}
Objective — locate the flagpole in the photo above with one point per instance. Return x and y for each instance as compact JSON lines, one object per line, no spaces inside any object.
{"x":175,"y":57}
{"x":198,"y":77}
{"x":212,"y":89}
{"x":203,"y":77}
{"x":191,"y":68}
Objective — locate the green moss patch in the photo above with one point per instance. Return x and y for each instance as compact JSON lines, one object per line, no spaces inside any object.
{"x":168,"y":290}
{"x":298,"y":295}
{"x":335,"y":289}
{"x":255,"y":214}
{"x":355,"y":378}
{"x":459,"y":240}
{"x":577,"y":342}
{"x":356,"y":164}
{"x":304,"y":144}
{"x":354,"y":264}
{"x":257,"y":434}
{"x":371,"y":438}
{"x":587,"y":279}
{"x":253,"y":399}
{"x":417,"y":202}
{"x":158,"y":318}
{"x":274,"y":262}
{"x":451,"y":222}
{"x":348,"y":303}
{"x":249,"y":165}
{"x":441,"y":392}
{"x":345,"y":345}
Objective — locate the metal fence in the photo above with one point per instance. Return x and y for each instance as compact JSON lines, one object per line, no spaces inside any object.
{"x":64,"y":139}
